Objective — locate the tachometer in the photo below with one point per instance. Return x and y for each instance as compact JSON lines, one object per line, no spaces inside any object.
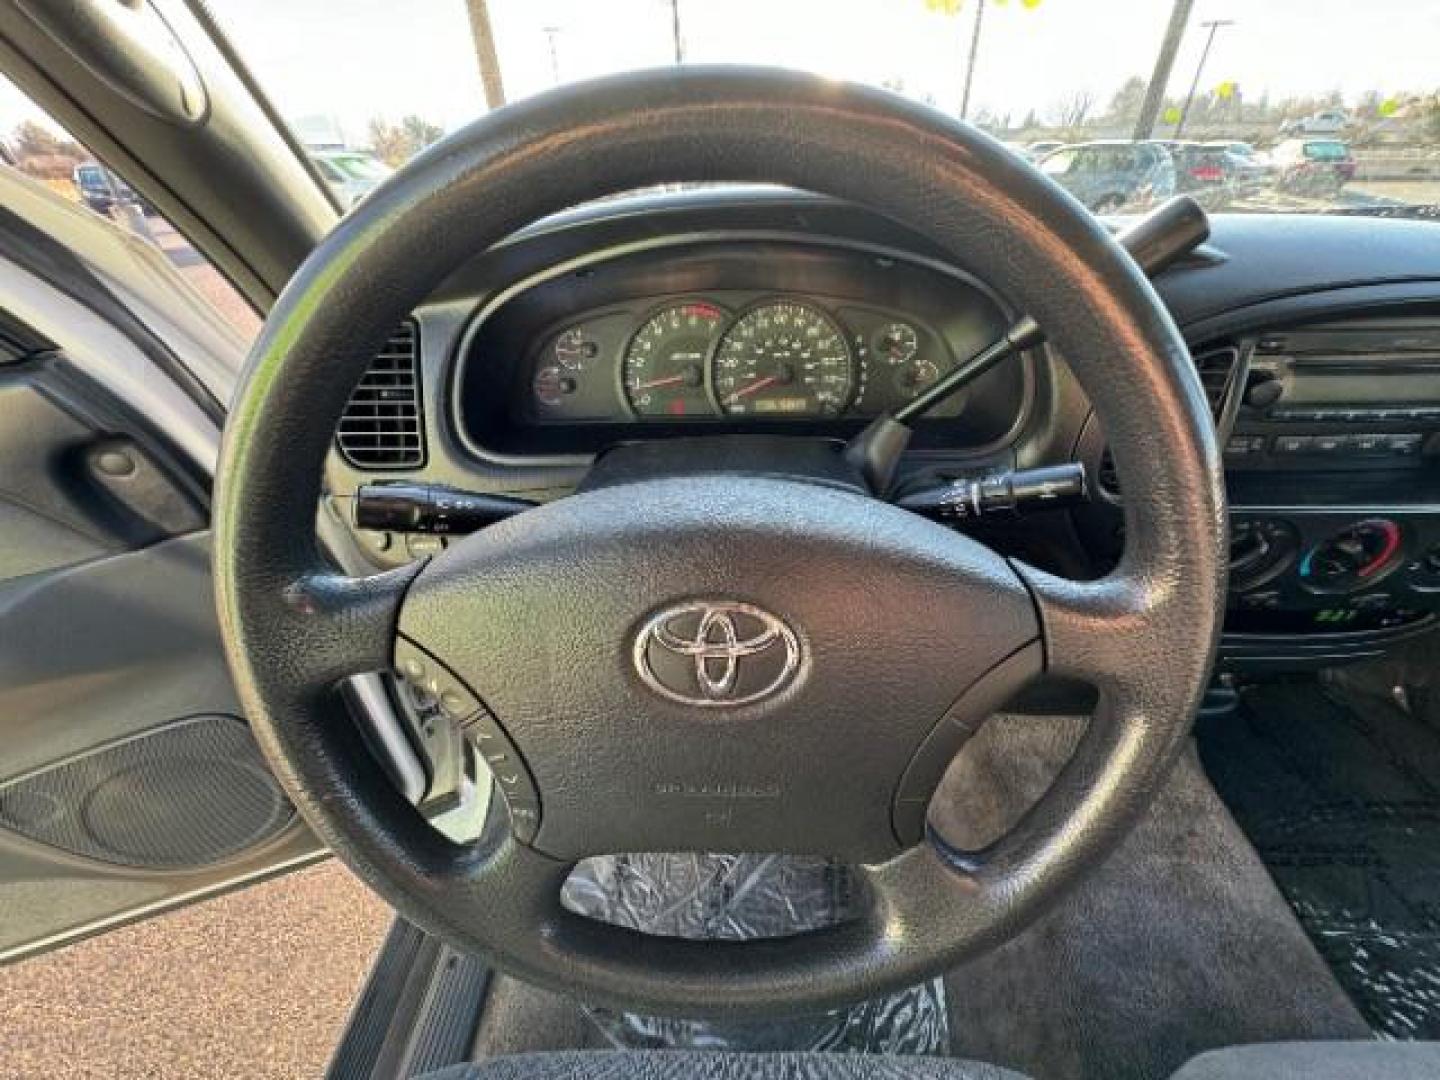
{"x":664,"y":368}
{"x":784,"y":359}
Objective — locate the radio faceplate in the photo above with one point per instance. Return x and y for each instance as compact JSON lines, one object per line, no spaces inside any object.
{"x":1358,"y":395}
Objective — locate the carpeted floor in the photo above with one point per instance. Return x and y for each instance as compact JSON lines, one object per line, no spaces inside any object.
{"x":1341,"y":795}
{"x":1180,"y":943}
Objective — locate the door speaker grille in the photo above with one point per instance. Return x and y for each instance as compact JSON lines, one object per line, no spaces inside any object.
{"x":182,"y":796}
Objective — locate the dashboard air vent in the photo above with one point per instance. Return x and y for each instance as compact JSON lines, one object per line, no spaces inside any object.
{"x":1216,"y":368}
{"x":382,"y":427}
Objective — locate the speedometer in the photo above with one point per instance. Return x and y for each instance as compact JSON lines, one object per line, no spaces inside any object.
{"x":783,"y":358}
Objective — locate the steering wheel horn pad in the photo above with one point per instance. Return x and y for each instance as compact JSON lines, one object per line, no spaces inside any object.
{"x":906,"y":634}
{"x":894,"y":620}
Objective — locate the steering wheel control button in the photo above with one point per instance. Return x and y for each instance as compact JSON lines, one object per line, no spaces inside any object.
{"x":508,"y":769}
{"x":479,"y":725}
{"x":715,"y":653}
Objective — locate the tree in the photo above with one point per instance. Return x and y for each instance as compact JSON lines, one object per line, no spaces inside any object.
{"x":387,"y":142}
{"x":1071,"y":112}
{"x":35,"y":140}
{"x":396,"y":144}
{"x":421,"y":133}
{"x":1430,"y":114}
{"x":1125,"y":105}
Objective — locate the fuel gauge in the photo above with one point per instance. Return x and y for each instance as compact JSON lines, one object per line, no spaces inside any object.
{"x":574,"y":349}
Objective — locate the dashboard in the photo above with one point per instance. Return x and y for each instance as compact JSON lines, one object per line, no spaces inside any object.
{"x":771,"y":313}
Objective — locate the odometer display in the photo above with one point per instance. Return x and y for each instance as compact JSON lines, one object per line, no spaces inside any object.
{"x":783,"y":359}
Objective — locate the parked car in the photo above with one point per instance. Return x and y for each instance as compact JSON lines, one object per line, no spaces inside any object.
{"x":1313,"y":166}
{"x":1249,"y":169}
{"x":1037,"y":150}
{"x":1108,"y":175}
{"x":1202,"y":171}
{"x":1324,"y":122}
{"x":100,"y":189}
{"x":351,"y":174}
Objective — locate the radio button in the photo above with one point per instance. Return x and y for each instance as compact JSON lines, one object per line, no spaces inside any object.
{"x":1405,"y":445}
{"x":1329,"y":444}
{"x":1245,"y":445}
{"x":1293,"y":444}
{"x":1368,"y":444}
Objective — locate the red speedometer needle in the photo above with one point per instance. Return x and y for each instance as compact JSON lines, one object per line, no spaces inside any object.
{"x":669,"y":380}
{"x":754,"y":387}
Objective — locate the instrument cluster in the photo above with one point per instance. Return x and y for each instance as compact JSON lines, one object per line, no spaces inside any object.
{"x":726,"y":356}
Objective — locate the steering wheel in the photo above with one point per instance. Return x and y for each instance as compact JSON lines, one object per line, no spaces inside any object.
{"x":720,"y":661}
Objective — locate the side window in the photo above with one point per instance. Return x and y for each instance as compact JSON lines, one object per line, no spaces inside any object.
{"x":35,"y":146}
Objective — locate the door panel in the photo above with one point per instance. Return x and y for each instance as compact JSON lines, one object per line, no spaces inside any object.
{"x":128,"y":780}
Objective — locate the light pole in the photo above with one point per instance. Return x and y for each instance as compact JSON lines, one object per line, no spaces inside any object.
{"x":485,"y":53}
{"x":1213,"y":24}
{"x":974,"y":51}
{"x":551,"y":32}
{"x":1160,"y":78}
{"x":675,"y":31}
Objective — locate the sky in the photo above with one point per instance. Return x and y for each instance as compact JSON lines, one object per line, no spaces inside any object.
{"x":354,"y":59}
{"x":348,"y":61}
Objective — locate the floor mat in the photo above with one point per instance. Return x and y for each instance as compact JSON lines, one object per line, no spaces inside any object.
{"x":1341,"y":796}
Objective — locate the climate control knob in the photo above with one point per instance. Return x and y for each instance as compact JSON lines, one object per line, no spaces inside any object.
{"x":1352,"y":558}
{"x":1260,"y":551}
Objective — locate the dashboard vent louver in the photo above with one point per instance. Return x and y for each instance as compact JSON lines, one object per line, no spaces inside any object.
{"x":382,"y":426}
{"x":1216,"y":368}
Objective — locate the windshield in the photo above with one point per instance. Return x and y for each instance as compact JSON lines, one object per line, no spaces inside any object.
{"x":1047,"y":77}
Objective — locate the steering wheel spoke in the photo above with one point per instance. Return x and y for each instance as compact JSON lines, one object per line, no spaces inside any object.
{"x":1087,"y":625}
{"x":323,"y":627}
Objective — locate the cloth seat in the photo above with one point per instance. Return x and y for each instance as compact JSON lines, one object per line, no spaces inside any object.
{"x":692,"y":1065}
{"x":1318,"y":1061}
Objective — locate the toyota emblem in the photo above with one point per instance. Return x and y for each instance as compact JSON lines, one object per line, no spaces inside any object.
{"x":716,"y":653}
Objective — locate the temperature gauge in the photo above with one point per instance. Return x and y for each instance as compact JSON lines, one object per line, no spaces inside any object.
{"x":897,"y":343}
{"x":914,"y":376}
{"x":552,"y":385}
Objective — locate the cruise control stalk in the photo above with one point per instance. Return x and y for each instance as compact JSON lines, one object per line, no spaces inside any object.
{"x":1166,"y":234}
